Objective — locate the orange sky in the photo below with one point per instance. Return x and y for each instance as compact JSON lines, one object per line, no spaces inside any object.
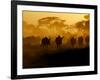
{"x":71,"y":18}
{"x":31,"y":21}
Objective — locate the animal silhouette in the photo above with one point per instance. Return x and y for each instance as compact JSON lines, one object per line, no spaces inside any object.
{"x":80,"y":41}
{"x":45,"y":42}
{"x":73,"y":41}
{"x":58,"y":41}
{"x":87,"y":39}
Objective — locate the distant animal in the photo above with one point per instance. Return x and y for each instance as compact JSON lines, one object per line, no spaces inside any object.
{"x":58,"y":41}
{"x":80,"y":40}
{"x":73,"y":41}
{"x":45,"y":42}
{"x":87,"y":39}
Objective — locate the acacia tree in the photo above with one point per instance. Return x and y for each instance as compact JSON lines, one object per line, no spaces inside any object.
{"x":53,"y":23}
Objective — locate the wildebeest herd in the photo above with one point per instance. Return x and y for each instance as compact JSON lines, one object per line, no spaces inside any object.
{"x":51,"y":52}
{"x":45,"y":42}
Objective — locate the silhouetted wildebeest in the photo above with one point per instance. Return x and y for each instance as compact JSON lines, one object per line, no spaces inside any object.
{"x":80,"y":40}
{"x":87,"y":39}
{"x":58,"y":41}
{"x":73,"y":41}
{"x":45,"y":42}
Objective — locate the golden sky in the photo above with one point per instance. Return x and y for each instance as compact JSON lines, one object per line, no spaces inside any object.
{"x":71,"y":18}
{"x":30,"y":22}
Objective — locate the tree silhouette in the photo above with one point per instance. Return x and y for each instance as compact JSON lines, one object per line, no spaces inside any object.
{"x":87,"y":17}
{"x":51,"y":22}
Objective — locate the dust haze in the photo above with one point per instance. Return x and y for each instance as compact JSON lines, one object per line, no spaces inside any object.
{"x":48,"y":34}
